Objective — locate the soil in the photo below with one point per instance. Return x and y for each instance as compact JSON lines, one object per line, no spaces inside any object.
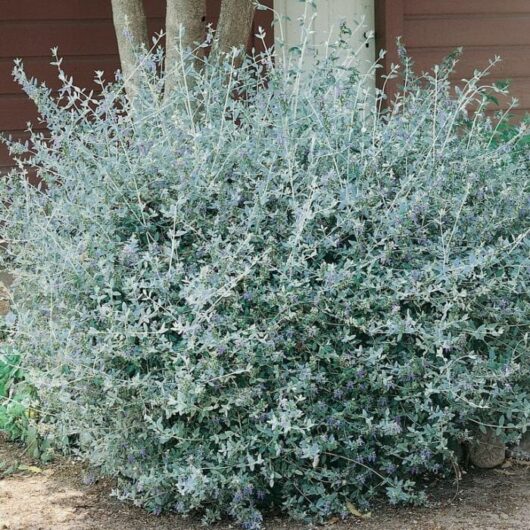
{"x":54,"y":497}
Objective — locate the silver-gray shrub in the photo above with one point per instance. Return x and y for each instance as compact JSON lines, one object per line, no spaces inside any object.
{"x":258,"y":292}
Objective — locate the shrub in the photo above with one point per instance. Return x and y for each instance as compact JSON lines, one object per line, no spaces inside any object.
{"x":259,"y":293}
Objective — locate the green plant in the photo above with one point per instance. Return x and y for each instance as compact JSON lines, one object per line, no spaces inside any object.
{"x":17,"y":401}
{"x":507,"y":130}
{"x":259,"y":292}
{"x":12,"y":411}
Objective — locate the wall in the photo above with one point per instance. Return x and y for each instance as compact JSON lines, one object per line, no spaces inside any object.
{"x":433,"y":28}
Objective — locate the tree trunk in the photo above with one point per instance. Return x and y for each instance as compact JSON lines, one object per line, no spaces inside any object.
{"x":130,"y":24}
{"x":185,"y":28}
{"x":235,"y":24}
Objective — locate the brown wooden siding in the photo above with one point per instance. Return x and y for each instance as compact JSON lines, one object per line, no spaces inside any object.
{"x":84,"y":34}
{"x":485,"y":28}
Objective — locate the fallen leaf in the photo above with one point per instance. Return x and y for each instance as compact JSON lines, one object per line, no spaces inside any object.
{"x":354,"y":511}
{"x":30,"y":469}
{"x":522,"y":462}
{"x":502,"y":472}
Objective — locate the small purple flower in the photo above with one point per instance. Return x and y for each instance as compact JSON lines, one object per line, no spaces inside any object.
{"x":131,"y":459}
{"x":415,"y":275}
{"x":260,"y":495}
{"x":247,"y":296}
{"x":425,"y":454}
{"x":390,"y":468}
{"x":221,"y":350}
{"x":248,"y":490}
{"x":254,"y":522}
{"x":333,"y":422}
{"x":390,"y":385}
{"x":338,"y":393}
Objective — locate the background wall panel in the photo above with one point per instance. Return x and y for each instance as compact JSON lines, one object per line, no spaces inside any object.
{"x":431,"y":29}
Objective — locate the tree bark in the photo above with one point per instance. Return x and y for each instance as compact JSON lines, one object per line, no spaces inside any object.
{"x":130,"y":24}
{"x":185,"y":28}
{"x":235,"y":24}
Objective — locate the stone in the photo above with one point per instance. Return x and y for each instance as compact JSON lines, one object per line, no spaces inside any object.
{"x":487,"y":450}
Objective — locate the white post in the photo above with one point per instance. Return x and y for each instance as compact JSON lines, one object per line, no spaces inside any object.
{"x":358,"y":15}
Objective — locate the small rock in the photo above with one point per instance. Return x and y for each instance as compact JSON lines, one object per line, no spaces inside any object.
{"x":487,"y":450}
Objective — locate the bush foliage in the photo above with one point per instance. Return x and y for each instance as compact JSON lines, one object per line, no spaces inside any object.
{"x":258,"y":294}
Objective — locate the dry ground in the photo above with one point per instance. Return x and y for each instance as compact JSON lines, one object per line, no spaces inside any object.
{"x":55,"y":498}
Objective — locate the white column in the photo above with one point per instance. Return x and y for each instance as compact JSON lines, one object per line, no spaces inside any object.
{"x":358,"y":15}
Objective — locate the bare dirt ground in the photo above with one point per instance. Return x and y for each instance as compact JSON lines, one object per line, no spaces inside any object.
{"x":54,"y":498}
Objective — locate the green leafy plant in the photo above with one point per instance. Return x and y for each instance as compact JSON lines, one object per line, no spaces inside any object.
{"x":508,"y":130}
{"x":17,"y":406}
{"x":13,"y":398}
{"x":259,"y":292}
